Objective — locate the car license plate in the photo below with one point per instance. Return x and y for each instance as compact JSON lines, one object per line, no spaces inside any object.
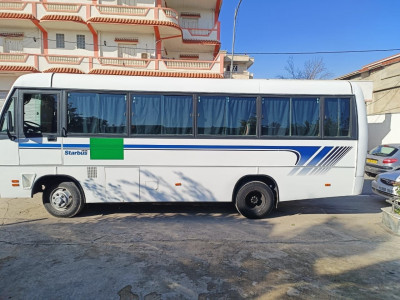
{"x":372,"y":161}
{"x":382,"y":189}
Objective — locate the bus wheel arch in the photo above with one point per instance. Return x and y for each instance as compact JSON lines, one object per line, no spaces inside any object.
{"x":255,"y":196}
{"x":63,"y":196}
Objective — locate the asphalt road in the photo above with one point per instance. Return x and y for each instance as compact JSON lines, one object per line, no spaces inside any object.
{"x":319,"y":248}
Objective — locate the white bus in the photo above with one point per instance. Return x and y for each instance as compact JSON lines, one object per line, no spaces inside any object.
{"x":94,"y":139}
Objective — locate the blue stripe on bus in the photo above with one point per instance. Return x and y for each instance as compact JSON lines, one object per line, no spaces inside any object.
{"x":320,"y":156}
{"x":303,"y":153}
{"x":39,"y":146}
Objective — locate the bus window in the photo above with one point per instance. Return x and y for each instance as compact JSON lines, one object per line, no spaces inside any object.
{"x":162,"y":115}
{"x":90,"y":113}
{"x":276,"y":116}
{"x":337,"y":117}
{"x":227,"y":116}
{"x":40,"y":114}
{"x":10,"y":107}
{"x":305,"y":117}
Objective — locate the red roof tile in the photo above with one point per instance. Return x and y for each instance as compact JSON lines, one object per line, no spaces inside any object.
{"x":18,"y":69}
{"x":155,"y":73}
{"x":132,"y":21}
{"x":203,"y":42}
{"x":62,"y":18}
{"x":375,"y":65}
{"x":64,"y":70}
{"x":8,"y":15}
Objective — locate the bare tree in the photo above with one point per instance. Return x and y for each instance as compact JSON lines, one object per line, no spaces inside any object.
{"x":313,"y":69}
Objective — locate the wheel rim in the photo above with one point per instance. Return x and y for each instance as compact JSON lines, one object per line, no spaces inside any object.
{"x":254,"y":199}
{"x":61,"y":199}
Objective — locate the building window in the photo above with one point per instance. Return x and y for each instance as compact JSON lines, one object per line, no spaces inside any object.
{"x":190,"y":23}
{"x":127,"y":2}
{"x":60,"y":41}
{"x":234,"y":68}
{"x":13,"y":45}
{"x":80,"y":41}
{"x":127,"y":50}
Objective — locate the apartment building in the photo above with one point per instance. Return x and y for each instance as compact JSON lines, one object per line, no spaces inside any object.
{"x":385,"y":75}
{"x":179,"y":38}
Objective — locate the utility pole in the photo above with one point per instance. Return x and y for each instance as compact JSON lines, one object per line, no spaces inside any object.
{"x":233,"y":38}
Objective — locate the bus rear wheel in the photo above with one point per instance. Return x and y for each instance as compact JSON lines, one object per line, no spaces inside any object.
{"x":63,"y":200}
{"x":255,"y":200}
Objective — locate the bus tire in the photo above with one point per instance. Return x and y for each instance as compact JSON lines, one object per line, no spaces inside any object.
{"x":63,"y":200}
{"x":255,"y":200}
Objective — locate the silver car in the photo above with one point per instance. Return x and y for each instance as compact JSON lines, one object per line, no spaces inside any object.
{"x":384,"y":158}
{"x":387,"y":185}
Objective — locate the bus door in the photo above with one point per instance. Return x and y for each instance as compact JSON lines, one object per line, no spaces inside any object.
{"x":8,"y":133}
{"x":40,"y":139}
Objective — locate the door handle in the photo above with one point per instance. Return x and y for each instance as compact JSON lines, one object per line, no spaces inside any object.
{"x":52,"y":138}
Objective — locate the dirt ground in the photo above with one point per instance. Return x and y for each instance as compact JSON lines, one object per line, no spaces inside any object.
{"x":319,"y":248}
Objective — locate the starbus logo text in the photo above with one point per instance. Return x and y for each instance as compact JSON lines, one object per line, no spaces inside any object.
{"x":76,"y":153}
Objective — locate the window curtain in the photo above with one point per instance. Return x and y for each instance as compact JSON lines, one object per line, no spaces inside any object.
{"x":177,"y":115}
{"x":305,"y":116}
{"x":276,"y":116}
{"x":241,"y":116}
{"x":96,"y":113}
{"x":211,"y":119}
{"x":157,"y":114}
{"x":220,"y":115}
{"x":146,"y":114}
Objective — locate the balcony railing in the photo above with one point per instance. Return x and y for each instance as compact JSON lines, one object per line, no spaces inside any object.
{"x":61,"y":7}
{"x":123,"y":10}
{"x":186,"y":64}
{"x":85,"y":64}
{"x":12,"y":5}
{"x":13,"y":57}
{"x":64,"y":59}
{"x":124,"y":62}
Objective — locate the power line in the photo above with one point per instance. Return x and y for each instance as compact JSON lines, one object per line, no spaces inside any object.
{"x":246,"y":53}
{"x":322,"y":52}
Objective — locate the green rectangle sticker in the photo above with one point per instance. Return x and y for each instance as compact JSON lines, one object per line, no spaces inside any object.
{"x":107,"y":148}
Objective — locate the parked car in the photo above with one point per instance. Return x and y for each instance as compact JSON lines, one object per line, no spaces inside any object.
{"x":387,"y":185}
{"x":384,"y":158}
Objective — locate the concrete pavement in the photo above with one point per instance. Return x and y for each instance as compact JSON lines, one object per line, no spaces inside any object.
{"x":319,"y":248}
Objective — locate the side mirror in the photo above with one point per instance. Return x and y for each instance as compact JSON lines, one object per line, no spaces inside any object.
{"x":10,"y":126}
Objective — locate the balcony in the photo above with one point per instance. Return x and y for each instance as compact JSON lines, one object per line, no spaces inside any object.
{"x":202,"y":34}
{"x":103,"y":13}
{"x":111,"y":65}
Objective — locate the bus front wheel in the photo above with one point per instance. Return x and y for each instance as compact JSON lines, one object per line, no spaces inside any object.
{"x":255,"y":200}
{"x":63,"y":200}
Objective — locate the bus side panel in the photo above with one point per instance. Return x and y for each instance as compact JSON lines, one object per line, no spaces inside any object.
{"x":332,"y":175}
{"x":91,"y":179}
{"x":190,"y":184}
{"x":17,"y":182}
{"x":334,"y":184}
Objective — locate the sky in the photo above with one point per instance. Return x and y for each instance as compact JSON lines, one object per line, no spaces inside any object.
{"x":311,"y":26}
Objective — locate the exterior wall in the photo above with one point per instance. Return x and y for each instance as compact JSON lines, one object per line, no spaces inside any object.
{"x":5,"y":84}
{"x":383,"y":129}
{"x":28,"y":40}
{"x":70,"y":43}
{"x":109,"y":48}
{"x":386,"y":92}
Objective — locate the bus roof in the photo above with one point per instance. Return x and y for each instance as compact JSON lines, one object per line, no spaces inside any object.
{"x":189,"y":85}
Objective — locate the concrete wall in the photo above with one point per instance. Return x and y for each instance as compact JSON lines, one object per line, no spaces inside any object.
{"x":383,"y":129}
{"x":5,"y":84}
